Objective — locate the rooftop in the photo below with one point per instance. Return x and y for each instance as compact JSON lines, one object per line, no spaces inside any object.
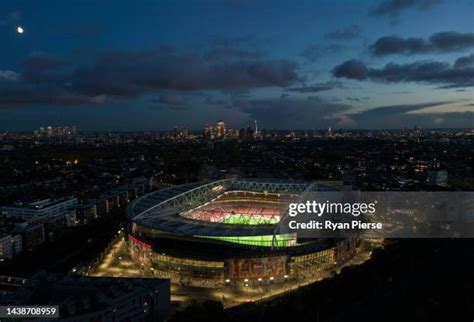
{"x":40,"y":204}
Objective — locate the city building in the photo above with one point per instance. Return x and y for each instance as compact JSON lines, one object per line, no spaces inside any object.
{"x":207,"y":132}
{"x":43,"y":210}
{"x":32,"y":234}
{"x":180,"y":132}
{"x":111,"y":200}
{"x":56,"y":131}
{"x":10,"y":246}
{"x":87,"y":211}
{"x":82,"y":298}
{"x":220,"y":129}
{"x":437,"y":178}
{"x":40,"y":221}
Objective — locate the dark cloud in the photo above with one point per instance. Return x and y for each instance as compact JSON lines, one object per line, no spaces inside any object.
{"x":396,"y":116}
{"x":351,"y":69}
{"x":294,"y":113}
{"x":442,"y":42}
{"x":394,"y":7}
{"x":411,"y":72}
{"x":41,"y":61}
{"x":43,"y":81}
{"x":172,"y":101}
{"x":465,"y":62}
{"x":237,"y":95}
{"x":397,"y":120}
{"x":452,"y":41}
{"x":425,"y":72}
{"x":399,"y":109}
{"x":215,"y":101}
{"x":318,"y":87}
{"x":356,"y":99}
{"x":315,"y":112}
{"x":133,"y":73}
{"x":43,"y":70}
{"x":15,"y":93}
{"x":397,"y":45}
{"x":430,"y":72}
{"x":127,"y":74}
{"x":347,"y":33}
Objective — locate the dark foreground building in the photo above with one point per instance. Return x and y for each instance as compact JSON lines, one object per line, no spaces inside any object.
{"x":83,"y":298}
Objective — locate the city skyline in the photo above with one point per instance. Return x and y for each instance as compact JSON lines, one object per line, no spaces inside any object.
{"x":237,"y":160}
{"x":305,"y":65}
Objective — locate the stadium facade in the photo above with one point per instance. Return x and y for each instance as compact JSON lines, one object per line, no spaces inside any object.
{"x":226,"y":232}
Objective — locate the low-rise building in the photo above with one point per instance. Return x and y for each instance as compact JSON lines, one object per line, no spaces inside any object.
{"x":82,"y":298}
{"x":32,"y":234}
{"x":42,"y":209}
{"x":437,"y":178}
{"x":10,"y":246}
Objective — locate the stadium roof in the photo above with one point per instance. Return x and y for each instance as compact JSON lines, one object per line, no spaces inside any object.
{"x":161,"y":209}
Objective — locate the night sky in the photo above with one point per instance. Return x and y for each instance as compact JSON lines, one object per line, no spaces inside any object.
{"x":153,"y":65}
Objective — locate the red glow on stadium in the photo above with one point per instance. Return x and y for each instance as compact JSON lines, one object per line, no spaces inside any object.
{"x":139,"y":242}
{"x":256,"y":207}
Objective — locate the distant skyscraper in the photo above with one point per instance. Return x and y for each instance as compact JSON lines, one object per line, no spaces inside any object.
{"x":249,"y":132}
{"x":220,"y":129}
{"x":56,"y":131}
{"x":207,"y":131}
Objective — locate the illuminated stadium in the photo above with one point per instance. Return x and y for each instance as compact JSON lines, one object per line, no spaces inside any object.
{"x":226,"y":232}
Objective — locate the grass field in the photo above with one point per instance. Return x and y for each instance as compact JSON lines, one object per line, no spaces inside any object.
{"x":249,"y":220}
